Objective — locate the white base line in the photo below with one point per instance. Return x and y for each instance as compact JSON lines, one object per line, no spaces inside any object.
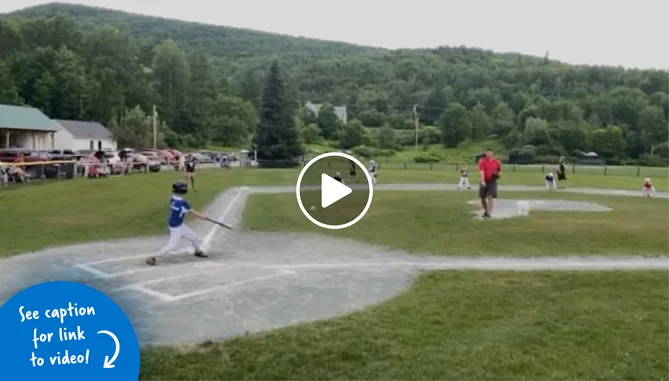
{"x":229,"y":285}
{"x":98,"y":273}
{"x":210,"y":236}
{"x":165,"y":279}
{"x":159,"y":295}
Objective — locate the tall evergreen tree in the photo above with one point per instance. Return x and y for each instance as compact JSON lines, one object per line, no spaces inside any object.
{"x":277,"y":137}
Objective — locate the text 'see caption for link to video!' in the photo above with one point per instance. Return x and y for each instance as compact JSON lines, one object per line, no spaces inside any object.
{"x":69,"y":331}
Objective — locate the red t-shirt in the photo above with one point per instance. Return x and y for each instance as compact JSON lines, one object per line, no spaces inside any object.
{"x":489,"y":166}
{"x":647,"y":184}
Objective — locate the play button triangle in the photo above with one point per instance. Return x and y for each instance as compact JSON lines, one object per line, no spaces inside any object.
{"x":332,"y":191}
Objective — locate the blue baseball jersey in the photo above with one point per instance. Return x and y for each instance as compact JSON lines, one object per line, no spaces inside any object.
{"x":372,"y":168}
{"x":549,"y":178}
{"x":178,"y":209}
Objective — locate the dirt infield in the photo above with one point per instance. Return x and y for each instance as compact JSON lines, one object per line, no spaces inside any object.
{"x":259,"y":281}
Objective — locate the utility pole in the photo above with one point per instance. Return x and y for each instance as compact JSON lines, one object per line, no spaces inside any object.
{"x":155,"y":127}
{"x":415,"y":116}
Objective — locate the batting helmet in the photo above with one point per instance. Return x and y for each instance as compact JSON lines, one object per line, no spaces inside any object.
{"x":180,"y":187}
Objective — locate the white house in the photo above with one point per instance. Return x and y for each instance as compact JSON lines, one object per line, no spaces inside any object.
{"x":78,"y":135}
{"x":340,"y":111}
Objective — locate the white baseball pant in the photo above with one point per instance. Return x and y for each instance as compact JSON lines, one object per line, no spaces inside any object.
{"x":464,"y":182}
{"x":176,"y":234}
{"x":550,"y":185}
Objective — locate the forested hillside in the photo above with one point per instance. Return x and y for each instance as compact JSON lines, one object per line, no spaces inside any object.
{"x":207,"y":82}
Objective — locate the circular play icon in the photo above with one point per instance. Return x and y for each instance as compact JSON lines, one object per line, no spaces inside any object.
{"x":334,"y":190}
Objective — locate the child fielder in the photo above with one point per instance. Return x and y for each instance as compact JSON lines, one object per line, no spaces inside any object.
{"x":179,"y":207}
{"x":372,"y":171}
{"x":648,"y":188}
{"x":464,"y":178}
{"x":551,"y":184}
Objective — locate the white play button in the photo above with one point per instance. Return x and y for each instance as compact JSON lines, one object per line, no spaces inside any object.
{"x":328,"y":202}
{"x":332,"y":191}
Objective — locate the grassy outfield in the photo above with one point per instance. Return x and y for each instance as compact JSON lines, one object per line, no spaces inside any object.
{"x":441,"y":223}
{"x":459,"y":325}
{"x":87,"y":210}
{"x":56,"y":213}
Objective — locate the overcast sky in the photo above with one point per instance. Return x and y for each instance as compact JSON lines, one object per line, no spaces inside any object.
{"x":598,"y":32}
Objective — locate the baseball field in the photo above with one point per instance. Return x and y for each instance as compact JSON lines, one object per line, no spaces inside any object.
{"x":417,"y":290}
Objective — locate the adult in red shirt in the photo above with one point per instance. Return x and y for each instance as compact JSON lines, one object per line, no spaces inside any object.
{"x":489,"y":168}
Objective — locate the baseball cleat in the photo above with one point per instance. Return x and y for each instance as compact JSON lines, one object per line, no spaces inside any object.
{"x":151,"y":261}
{"x":200,"y":254}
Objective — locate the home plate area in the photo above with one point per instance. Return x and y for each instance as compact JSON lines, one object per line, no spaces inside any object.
{"x":254,"y":283}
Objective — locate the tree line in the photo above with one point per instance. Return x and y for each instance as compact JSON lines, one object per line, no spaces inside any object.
{"x":536,"y":106}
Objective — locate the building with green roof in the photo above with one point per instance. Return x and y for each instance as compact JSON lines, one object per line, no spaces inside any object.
{"x":25,"y":127}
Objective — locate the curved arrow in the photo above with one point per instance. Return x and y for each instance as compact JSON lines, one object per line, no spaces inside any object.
{"x":110,"y":363}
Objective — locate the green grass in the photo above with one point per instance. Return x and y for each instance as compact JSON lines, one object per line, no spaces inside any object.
{"x":48,"y":213}
{"x":459,"y":325}
{"x":441,"y":223}
{"x":85,"y":210}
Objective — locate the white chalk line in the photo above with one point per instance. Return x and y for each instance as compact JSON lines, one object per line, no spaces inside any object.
{"x":96,"y":272}
{"x":210,"y":266}
{"x":158,"y":295}
{"x":210,"y":236}
{"x":190,"y":295}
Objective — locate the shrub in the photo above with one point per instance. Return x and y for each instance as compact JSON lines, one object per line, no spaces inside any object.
{"x":370,"y":152}
{"x":426,"y":159}
{"x":653,"y":161}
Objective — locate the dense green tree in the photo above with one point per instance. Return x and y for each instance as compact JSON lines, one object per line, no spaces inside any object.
{"x":608,"y":141}
{"x":250,"y":88}
{"x":371,"y":118}
{"x":503,"y":119}
{"x":8,"y":92}
{"x":481,"y":124}
{"x":311,"y":133}
{"x":386,"y":138}
{"x":173,"y":75}
{"x":351,"y":135}
{"x":328,"y":122}
{"x":276,"y":137}
{"x":455,"y":125}
{"x":234,"y":123}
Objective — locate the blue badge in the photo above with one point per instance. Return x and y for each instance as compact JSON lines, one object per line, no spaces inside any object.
{"x":66,"y":331}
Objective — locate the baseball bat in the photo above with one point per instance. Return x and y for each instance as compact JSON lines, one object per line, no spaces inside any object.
{"x":219,"y":223}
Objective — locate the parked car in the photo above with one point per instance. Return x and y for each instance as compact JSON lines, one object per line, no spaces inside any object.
{"x":143,"y":164}
{"x":202,"y":158}
{"x":210,"y":154}
{"x":62,"y":155}
{"x":9,"y":155}
{"x":154,"y":155}
{"x":114,"y":161}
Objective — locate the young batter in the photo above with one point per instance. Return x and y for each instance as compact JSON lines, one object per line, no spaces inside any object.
{"x":179,"y":207}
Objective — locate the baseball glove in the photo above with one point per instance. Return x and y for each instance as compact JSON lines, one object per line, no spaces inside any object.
{"x":495,"y":176}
